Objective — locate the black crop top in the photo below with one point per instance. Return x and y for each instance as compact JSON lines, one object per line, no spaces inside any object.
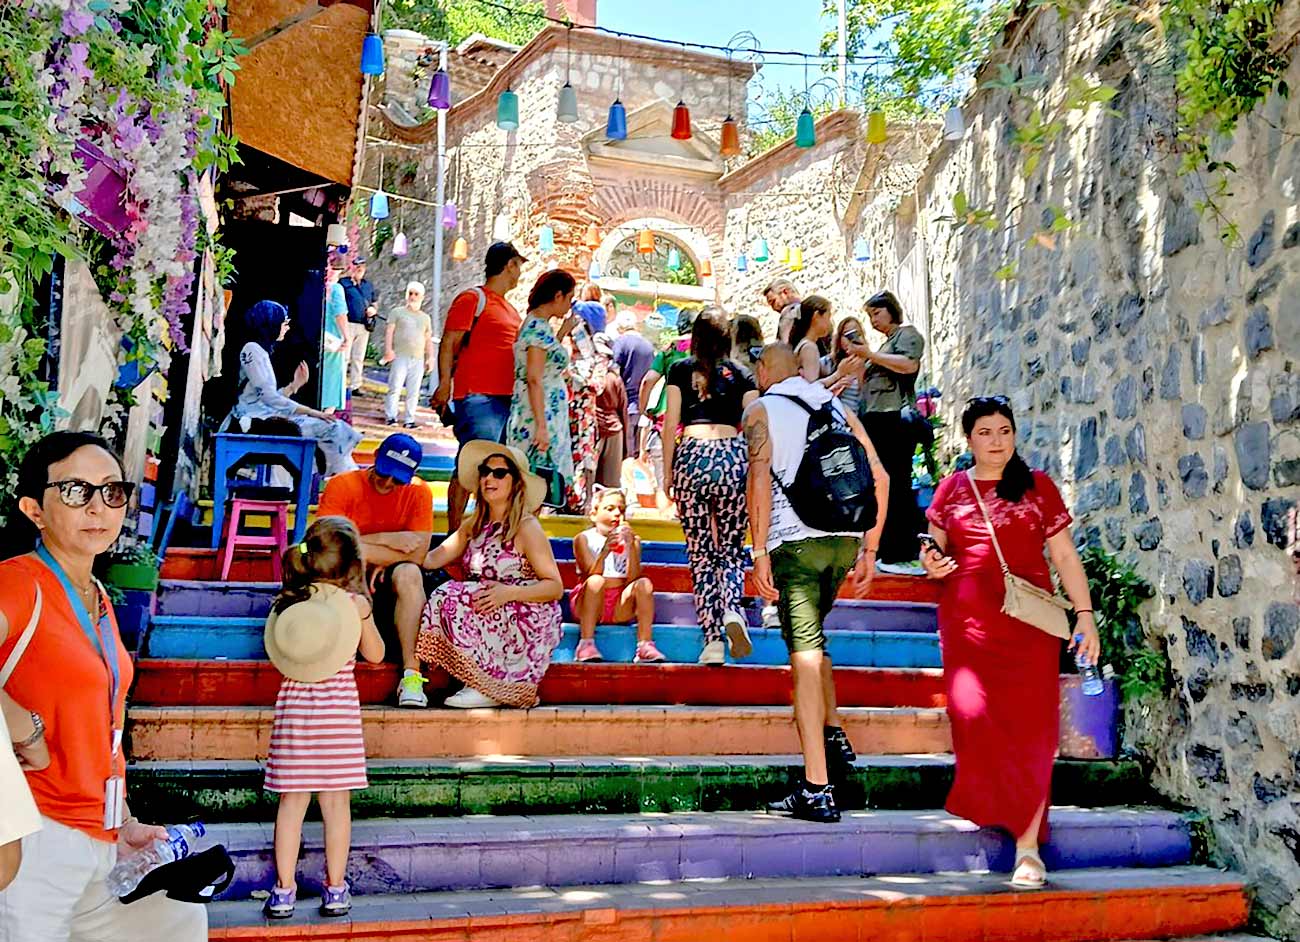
{"x":724,"y":404}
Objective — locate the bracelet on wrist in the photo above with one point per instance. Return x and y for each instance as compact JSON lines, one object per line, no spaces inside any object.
{"x":38,"y":732}
{"x":1083,"y":611}
{"x":759,"y":552}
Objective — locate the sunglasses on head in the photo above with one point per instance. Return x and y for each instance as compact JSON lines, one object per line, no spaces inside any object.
{"x":487,"y":471}
{"x":78,"y":493}
{"x":987,"y":400}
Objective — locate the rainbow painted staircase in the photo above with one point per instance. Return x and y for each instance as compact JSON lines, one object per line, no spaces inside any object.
{"x":628,"y":805}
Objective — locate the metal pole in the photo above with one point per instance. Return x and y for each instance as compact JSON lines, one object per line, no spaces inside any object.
{"x":440,"y":196}
{"x":843,"y":50}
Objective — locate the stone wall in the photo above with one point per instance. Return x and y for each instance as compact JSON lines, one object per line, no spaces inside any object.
{"x":1155,"y":373}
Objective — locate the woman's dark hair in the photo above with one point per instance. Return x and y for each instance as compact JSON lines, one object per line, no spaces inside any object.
{"x":746,"y":332}
{"x":1016,"y":476}
{"x":330,"y":552}
{"x":886,"y":301}
{"x":809,"y":308}
{"x":262,"y":323}
{"x":710,"y":342}
{"x":33,"y":476}
{"x":550,"y":285}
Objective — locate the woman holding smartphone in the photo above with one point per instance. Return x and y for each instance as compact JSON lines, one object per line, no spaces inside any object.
{"x":539,"y":410}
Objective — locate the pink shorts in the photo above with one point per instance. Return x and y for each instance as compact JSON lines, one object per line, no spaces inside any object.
{"x":607,"y":610}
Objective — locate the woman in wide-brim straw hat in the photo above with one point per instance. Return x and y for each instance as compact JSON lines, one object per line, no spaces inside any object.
{"x":495,"y":630}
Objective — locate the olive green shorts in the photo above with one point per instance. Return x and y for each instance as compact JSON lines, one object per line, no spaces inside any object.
{"x":808,"y":574}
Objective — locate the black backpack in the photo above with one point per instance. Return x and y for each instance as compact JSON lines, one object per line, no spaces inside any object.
{"x":833,"y":490}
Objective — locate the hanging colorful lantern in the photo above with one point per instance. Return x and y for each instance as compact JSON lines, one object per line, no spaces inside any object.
{"x":674,"y":260}
{"x":592,"y":241}
{"x":805,"y":134}
{"x":400,"y":246}
{"x":861,"y":250}
{"x":594,"y":271}
{"x":796,"y":260}
{"x":876,"y":127}
{"x":645,"y":242}
{"x":742,"y":263}
{"x":450,"y":216}
{"x":616,"y":125}
{"x":954,"y":124}
{"x":379,"y":205}
{"x":440,"y":91}
{"x":372,"y":55}
{"x":758,"y":251}
{"x":501,"y":228}
{"x":546,"y":240}
{"x":633,"y":277}
{"x":730,"y":138}
{"x":567,"y":111}
{"x":783,"y":254}
{"x":508,"y":110}
{"x":460,"y":250}
{"x":706,"y":268}
{"x":681,"y":122}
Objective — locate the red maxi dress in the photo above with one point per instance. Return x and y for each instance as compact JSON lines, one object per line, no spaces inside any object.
{"x":1000,"y":673}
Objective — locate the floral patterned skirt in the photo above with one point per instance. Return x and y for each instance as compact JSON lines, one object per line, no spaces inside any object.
{"x":502,"y":653}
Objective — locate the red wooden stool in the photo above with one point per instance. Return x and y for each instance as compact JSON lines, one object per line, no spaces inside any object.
{"x":277,"y":510}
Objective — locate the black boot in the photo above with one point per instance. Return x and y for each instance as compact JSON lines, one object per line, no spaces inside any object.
{"x":816,"y":806}
{"x":838,"y":745}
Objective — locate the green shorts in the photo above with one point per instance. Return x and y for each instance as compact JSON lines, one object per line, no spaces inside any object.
{"x":808,"y":574}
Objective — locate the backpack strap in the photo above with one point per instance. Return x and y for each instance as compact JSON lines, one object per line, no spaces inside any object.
{"x":24,"y":640}
{"x":480,"y":304}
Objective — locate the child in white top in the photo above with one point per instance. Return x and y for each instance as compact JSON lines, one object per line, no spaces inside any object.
{"x":611,"y":589}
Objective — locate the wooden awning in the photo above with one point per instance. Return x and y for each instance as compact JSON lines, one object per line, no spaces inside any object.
{"x":297,"y":95}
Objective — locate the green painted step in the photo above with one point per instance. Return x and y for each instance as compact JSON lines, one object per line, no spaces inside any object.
{"x":232,"y":791}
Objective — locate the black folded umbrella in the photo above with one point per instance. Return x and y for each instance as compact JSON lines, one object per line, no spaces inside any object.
{"x":194,"y":879}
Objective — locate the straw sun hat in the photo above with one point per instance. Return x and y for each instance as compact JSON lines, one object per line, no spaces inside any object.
{"x":479,"y":451}
{"x":313,"y":640}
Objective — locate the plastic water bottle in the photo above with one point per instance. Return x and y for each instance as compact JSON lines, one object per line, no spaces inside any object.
{"x":182,"y":840}
{"x":1091,"y":684}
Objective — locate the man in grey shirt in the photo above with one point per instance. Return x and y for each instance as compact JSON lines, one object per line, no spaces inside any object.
{"x":782,"y":297}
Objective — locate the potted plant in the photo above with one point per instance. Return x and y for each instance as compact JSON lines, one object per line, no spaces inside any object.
{"x":131,"y":576}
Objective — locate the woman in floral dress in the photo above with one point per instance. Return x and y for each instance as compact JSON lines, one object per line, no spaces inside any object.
{"x":539,"y":410}
{"x":586,"y":377}
{"x":495,"y":629}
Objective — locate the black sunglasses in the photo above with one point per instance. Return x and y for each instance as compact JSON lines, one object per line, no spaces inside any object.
{"x":487,"y":471}
{"x":77,"y":493}
{"x":982,"y":400}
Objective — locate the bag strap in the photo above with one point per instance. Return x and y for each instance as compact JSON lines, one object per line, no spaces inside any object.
{"x":24,"y":639}
{"x":480,"y":305}
{"x":970,"y":476}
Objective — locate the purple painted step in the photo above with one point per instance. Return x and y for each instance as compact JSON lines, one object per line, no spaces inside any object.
{"x":418,"y":855}
{"x":253,"y":600}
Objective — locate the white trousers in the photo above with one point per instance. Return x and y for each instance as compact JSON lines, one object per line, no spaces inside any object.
{"x":404,"y":373}
{"x":59,"y":895}
{"x":358,"y":338}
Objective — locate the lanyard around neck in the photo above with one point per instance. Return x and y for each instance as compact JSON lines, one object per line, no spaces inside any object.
{"x":101,"y":636}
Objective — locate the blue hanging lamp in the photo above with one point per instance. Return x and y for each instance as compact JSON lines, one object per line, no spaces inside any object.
{"x":508,"y":110}
{"x":379,"y":205}
{"x":372,"y":55}
{"x":546,"y":240}
{"x":759,"y":251}
{"x":633,"y":277}
{"x":861,"y":250}
{"x":616,"y":125}
{"x":674,"y":260}
{"x":742,"y":263}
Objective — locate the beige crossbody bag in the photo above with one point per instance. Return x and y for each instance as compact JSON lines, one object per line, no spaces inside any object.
{"x":1024,"y":600}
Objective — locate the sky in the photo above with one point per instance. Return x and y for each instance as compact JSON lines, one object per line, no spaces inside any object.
{"x":795,"y":25}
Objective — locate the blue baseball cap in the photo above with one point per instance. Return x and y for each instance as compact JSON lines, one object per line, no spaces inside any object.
{"x":398,"y":458}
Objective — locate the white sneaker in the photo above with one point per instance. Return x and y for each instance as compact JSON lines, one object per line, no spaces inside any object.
{"x":737,"y":635}
{"x":470,"y":699}
{"x":771,"y":617}
{"x":410,"y":690}
{"x":900,"y":569}
{"x":715,"y":652}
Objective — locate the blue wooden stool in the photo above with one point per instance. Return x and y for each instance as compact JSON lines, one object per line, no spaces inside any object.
{"x":235,"y":451}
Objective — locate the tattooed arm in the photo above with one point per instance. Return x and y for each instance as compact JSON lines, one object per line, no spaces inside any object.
{"x":758,"y":491}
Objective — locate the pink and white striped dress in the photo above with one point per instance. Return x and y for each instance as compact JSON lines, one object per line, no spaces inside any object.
{"x":316,"y":741}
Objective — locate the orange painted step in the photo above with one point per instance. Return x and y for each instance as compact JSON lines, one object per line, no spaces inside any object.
{"x":180,"y":733}
{"x":201,"y":564}
{"x":1079,"y":906}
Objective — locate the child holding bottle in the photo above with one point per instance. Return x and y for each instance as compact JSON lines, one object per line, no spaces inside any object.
{"x":611,"y":589}
{"x":318,"y":623}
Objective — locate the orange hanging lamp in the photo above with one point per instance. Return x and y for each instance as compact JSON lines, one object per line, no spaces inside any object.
{"x":645,"y":242}
{"x":681,"y":122}
{"x":730,"y":143}
{"x":592,"y":241}
{"x":460,"y":250}
{"x":706,"y":268}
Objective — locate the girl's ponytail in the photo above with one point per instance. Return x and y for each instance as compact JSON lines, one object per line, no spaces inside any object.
{"x":330,"y":552}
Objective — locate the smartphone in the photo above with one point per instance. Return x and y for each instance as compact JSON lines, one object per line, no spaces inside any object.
{"x":929,"y":543}
{"x":852,"y":336}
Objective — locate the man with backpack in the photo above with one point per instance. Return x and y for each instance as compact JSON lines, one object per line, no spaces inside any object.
{"x":476,"y":361}
{"x":817,"y":497}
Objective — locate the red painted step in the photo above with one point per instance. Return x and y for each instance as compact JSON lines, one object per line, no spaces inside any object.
{"x":194,"y":563}
{"x":255,"y":683}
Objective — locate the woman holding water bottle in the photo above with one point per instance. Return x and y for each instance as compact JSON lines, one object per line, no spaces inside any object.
{"x":1000,"y":672}
{"x":64,"y":662}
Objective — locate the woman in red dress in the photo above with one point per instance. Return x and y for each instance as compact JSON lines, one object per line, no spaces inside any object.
{"x":1000,"y":672}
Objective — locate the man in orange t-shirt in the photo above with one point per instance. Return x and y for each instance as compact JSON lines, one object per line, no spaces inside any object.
{"x":393,"y":512}
{"x":476,"y":361}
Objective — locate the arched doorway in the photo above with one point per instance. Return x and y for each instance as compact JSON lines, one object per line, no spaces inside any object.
{"x":669,"y":279}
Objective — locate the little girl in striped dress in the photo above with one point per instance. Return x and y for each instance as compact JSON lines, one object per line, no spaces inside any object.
{"x":316,"y":740}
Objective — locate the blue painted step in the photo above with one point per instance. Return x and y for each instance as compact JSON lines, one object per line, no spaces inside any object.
{"x":427,"y":854}
{"x":253,"y":600}
{"x":204,"y":638}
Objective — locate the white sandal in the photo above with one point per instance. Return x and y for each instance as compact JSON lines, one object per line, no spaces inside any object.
{"x":1030,"y":872}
